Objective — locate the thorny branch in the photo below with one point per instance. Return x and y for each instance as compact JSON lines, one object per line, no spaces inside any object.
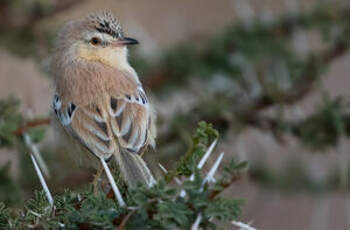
{"x":223,"y":185}
{"x":31,"y":124}
{"x":301,"y":89}
{"x":305,"y":82}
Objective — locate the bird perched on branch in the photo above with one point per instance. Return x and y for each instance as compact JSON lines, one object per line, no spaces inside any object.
{"x":99,"y":99}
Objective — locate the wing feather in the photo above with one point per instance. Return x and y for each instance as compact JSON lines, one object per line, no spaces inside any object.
{"x":123,"y":121}
{"x":88,"y":124}
{"x":130,"y":117}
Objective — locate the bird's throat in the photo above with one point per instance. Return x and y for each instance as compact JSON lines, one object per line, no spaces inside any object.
{"x":108,"y":56}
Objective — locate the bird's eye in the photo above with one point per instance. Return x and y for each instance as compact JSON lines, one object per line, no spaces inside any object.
{"x":95,"y":41}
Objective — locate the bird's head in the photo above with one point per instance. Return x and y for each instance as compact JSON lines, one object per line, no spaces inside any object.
{"x":97,"y":38}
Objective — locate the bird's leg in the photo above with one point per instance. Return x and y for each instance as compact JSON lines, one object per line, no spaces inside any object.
{"x":96,"y":179}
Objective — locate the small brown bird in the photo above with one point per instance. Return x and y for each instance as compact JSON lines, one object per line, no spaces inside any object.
{"x":99,"y":99}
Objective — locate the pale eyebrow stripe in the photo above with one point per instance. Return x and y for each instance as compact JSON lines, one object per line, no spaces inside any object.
{"x":103,"y":36}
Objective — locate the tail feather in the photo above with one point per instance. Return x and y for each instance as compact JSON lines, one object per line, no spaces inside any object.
{"x":134,"y":168}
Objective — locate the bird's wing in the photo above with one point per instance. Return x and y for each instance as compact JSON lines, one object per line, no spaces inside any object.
{"x":88,"y":124}
{"x":131,"y":119}
{"x":131,"y":123}
{"x":125,"y":118}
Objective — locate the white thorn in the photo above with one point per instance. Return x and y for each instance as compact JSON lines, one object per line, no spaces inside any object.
{"x":205,"y":157}
{"x":243,"y":226}
{"x":207,"y":154}
{"x":163,"y":168}
{"x":35,"y":151}
{"x":201,"y":163}
{"x":151,"y":181}
{"x":210,"y":175}
{"x":112,"y":182}
{"x":182,"y":193}
{"x":35,"y":213}
{"x":177,"y":180}
{"x":198,"y":220}
{"x":42,"y":181}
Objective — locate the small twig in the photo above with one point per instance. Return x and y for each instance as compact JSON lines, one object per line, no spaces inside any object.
{"x":42,"y":181}
{"x":112,"y":182}
{"x":224,"y":185}
{"x":125,"y":220}
{"x":31,"y":124}
{"x":157,"y":80}
{"x":265,"y":123}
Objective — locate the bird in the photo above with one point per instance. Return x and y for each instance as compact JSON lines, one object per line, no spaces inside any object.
{"x":99,"y":99}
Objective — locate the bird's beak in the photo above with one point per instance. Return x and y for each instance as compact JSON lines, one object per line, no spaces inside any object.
{"x":125,"y":41}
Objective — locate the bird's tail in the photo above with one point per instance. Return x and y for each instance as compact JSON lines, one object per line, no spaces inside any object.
{"x":133,"y":168}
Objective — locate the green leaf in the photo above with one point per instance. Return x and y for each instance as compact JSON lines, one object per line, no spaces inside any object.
{"x":224,"y":209}
{"x":37,"y":134}
{"x":10,"y":120}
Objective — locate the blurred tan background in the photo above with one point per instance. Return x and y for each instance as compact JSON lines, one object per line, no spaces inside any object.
{"x":161,"y":24}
